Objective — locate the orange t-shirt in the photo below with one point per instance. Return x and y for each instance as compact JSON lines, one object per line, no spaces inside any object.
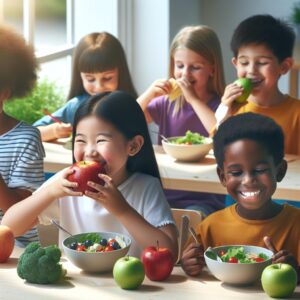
{"x":287,"y":115}
{"x":226,"y":227}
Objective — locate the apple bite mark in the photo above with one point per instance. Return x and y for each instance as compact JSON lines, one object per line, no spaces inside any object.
{"x":84,"y":171}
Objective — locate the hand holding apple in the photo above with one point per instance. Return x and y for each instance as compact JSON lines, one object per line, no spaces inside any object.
{"x":129,"y":272}
{"x":246,"y":84}
{"x":7,"y":242}
{"x":279,"y":280}
{"x":85,"y":171}
{"x":158,"y":262}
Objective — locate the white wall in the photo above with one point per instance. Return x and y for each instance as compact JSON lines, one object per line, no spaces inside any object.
{"x":224,"y":16}
{"x":150,"y":41}
{"x":150,"y":25}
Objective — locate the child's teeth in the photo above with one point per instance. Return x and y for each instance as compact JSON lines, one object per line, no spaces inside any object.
{"x":250,"y":194}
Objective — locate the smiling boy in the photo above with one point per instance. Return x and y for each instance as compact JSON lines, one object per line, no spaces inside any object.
{"x":263,"y":47}
{"x":249,"y":150}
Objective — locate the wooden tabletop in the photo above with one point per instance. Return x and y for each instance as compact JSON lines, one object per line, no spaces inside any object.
{"x":81,"y":285}
{"x":199,"y":176}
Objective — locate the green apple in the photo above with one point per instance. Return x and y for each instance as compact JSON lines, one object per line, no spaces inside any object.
{"x":246,"y":84}
{"x":279,"y":280}
{"x":129,"y":272}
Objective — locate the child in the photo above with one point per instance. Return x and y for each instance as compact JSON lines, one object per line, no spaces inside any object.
{"x":262,"y":48}
{"x":99,"y":65}
{"x":249,"y":150}
{"x":108,"y":127}
{"x":21,"y":149}
{"x":196,"y":64}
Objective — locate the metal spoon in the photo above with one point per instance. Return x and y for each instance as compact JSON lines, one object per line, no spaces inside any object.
{"x":60,"y":227}
{"x":162,"y":136}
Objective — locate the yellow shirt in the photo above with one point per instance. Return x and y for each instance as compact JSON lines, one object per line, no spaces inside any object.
{"x":226,"y":227}
{"x":287,"y":115}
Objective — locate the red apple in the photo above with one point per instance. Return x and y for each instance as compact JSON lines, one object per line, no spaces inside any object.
{"x":158,"y":263}
{"x":7,"y":242}
{"x":85,"y":171}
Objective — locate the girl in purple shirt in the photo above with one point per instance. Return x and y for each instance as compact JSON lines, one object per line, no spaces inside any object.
{"x":196,"y":65}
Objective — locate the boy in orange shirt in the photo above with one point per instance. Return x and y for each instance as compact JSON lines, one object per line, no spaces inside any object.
{"x":249,"y":150}
{"x":263,"y":47}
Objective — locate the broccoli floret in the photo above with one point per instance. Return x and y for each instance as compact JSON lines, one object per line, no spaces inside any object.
{"x":40,"y":265}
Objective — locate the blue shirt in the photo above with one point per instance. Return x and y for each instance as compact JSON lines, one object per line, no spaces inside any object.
{"x":66,"y":113}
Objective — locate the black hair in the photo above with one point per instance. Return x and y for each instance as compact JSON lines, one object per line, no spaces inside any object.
{"x":277,"y":35}
{"x":123,"y":112}
{"x":258,"y":128}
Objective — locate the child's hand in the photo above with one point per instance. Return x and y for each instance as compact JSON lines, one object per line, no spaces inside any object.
{"x":281,"y":256}
{"x":108,"y":195}
{"x":228,"y":106}
{"x":192,"y":260}
{"x":158,"y":88}
{"x":188,"y":90}
{"x":62,"y":187}
{"x":61,"y":130}
{"x":232,"y":91}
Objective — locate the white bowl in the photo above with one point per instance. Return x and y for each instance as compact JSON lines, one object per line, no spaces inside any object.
{"x":238,"y":273}
{"x":95,"y":261}
{"x":184,"y":152}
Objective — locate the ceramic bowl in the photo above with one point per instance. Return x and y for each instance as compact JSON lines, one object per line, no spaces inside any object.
{"x":189,"y":153}
{"x":238,"y":273}
{"x":96,"y":261}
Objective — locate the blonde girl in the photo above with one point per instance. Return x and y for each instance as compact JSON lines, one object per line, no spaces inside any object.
{"x":196,"y":65}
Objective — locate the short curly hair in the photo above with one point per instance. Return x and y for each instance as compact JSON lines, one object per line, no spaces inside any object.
{"x":258,"y":128}
{"x":18,"y":71}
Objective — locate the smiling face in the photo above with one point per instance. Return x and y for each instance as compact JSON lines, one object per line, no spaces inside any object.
{"x":250,"y":175}
{"x":100,"y":82}
{"x":194,"y":67}
{"x":259,"y":64}
{"x":97,"y":140}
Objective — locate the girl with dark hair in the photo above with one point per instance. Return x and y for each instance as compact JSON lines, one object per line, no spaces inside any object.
{"x":99,"y":65}
{"x":108,"y":127}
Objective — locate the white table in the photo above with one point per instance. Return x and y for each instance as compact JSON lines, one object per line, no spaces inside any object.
{"x":200,"y":176}
{"x":103,"y":287}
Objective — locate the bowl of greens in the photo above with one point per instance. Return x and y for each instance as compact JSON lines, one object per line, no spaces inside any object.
{"x":96,"y":251}
{"x":190,"y":147}
{"x":238,"y":264}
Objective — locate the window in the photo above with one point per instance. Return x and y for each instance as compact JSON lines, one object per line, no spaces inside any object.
{"x":48,"y":26}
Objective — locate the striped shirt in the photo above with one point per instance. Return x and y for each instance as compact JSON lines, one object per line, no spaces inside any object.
{"x":21,"y":165}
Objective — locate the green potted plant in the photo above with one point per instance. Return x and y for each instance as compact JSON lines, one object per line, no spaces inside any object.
{"x":46,"y":94}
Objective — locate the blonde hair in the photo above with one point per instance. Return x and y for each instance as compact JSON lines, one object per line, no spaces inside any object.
{"x":99,"y":52}
{"x":205,"y":42}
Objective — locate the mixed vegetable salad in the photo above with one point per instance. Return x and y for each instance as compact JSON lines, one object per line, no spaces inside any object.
{"x":190,"y":138}
{"x":93,"y":242}
{"x":238,"y":255}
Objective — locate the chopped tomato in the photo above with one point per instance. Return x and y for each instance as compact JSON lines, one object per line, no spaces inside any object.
{"x":222,"y":252}
{"x":81,"y":248}
{"x":233,"y":260}
{"x":111,"y":241}
{"x":108,"y":248}
{"x":259,"y":259}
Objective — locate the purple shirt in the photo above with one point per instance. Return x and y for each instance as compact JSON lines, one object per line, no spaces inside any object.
{"x":161,"y":111}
